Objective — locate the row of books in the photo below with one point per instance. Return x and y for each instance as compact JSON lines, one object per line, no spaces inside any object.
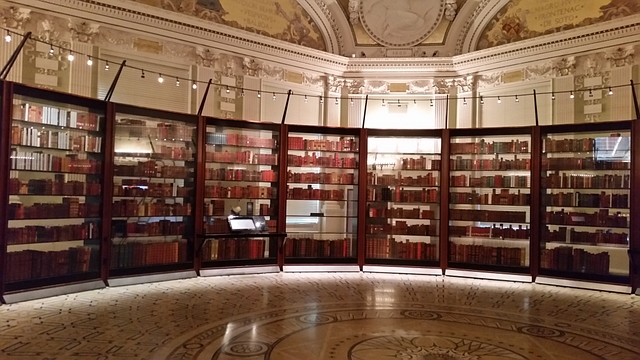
{"x":567,"y":258}
{"x":221,"y":226}
{"x":57,"y":186}
{"x":315,"y":194}
{"x":399,"y":180}
{"x":308,"y":247}
{"x":136,"y":128}
{"x":598,"y":218}
{"x":344,"y":144}
{"x":240,"y":192}
{"x":334,"y":161}
{"x":71,"y":163}
{"x":128,"y":208}
{"x":69,"y":208}
{"x":241,"y":175}
{"x":134,"y":254}
{"x":494,"y":147}
{"x":487,"y":255}
{"x":498,"y":164}
{"x":213,"y":138}
{"x":571,"y":145}
{"x":59,"y":139}
{"x":241,"y":157}
{"x":403,"y":228}
{"x":493,"y":232}
{"x":602,"y":200}
{"x":399,"y":213}
{"x":152,"y":169}
{"x":504,"y":197}
{"x":162,"y":152}
{"x":488,"y":215}
{"x":57,"y":117}
{"x":322,"y":178}
{"x":123,"y":228}
{"x":43,"y":234}
{"x":218,"y":208}
{"x":393,"y":249}
{"x":495,"y":181}
{"x":32,"y":264}
{"x":401,"y":195}
{"x":421,"y":163}
{"x":563,"y":234}
{"x":572,"y":163}
{"x":586,"y":181}
{"x":144,"y":188}
{"x":233,"y":249}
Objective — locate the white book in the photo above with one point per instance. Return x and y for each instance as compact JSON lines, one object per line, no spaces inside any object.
{"x":23,"y":136}
{"x":73,"y":118}
{"x":25,"y":115}
{"x":13,"y":159}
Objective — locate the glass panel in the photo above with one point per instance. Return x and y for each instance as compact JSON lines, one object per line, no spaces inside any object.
{"x":403,"y":198}
{"x":490,"y":200}
{"x":586,"y":183}
{"x":241,"y":176}
{"x":322,"y":203}
{"x":55,"y":187}
{"x":153,"y":192}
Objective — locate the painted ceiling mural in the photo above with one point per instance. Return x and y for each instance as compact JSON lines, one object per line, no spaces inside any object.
{"x":527,"y":19}
{"x":280,"y":19}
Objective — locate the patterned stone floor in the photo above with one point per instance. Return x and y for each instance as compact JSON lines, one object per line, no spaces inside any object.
{"x":325,"y":316}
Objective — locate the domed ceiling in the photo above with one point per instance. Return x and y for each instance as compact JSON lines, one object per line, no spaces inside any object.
{"x":378,"y":28}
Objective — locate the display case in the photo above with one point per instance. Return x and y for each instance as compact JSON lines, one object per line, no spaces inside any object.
{"x":586,"y":182}
{"x":322,"y":195}
{"x":152,"y":226}
{"x":242,"y":177}
{"x":489,"y":200}
{"x":403,"y":198}
{"x":55,"y":189}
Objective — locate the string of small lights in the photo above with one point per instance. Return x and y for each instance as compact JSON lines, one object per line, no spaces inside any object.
{"x":95,"y":60}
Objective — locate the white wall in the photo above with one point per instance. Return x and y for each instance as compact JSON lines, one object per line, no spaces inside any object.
{"x":409,"y":115}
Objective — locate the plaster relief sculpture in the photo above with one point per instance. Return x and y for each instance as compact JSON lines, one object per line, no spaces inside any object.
{"x":250,"y":67}
{"x":451,"y":10}
{"x":620,"y":57}
{"x":206,"y":57}
{"x":377,"y":87}
{"x":565,"y":66}
{"x":14,"y":18}
{"x":354,"y":16}
{"x":399,"y":23}
{"x":83,"y":31}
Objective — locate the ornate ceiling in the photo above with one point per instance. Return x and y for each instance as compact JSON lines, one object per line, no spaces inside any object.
{"x":402,"y":28}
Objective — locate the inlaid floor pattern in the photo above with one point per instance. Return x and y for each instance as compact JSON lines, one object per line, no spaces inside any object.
{"x":325,"y":316}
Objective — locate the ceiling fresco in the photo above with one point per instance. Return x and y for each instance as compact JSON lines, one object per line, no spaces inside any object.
{"x":527,"y":19}
{"x":279,"y":19}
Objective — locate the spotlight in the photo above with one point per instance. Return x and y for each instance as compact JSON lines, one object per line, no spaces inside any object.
{"x":259,"y":94}
{"x":464,"y":101}
{"x":572,"y":96}
{"x":322,"y":100}
{"x":142,"y":74}
{"x":51,"y":51}
{"x":305,"y":99}
{"x":590,"y":93}
{"x":499,"y":101}
{"x":194,"y":86}
{"x":70,"y":57}
{"x":106,"y":66}
{"x":160,"y":79}
{"x":553,"y":96}
{"x":177,"y":82}
{"x":431,"y":102}
{"x":7,"y":38}
{"x":228,"y":91}
{"x":274,"y":96}
{"x":383,"y":103}
{"x":481,"y":101}
{"x":89,"y":61}
{"x":610,"y":91}
{"x":517,"y":100}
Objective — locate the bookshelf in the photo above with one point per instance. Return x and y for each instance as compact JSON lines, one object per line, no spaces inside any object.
{"x":489,"y":201}
{"x":242,"y":171}
{"x":403,"y":198}
{"x":586,"y":187}
{"x":153,"y":191}
{"x":55,"y":189}
{"x":322,"y":195}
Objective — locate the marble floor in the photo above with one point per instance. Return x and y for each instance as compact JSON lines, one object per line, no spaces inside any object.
{"x":325,"y":316}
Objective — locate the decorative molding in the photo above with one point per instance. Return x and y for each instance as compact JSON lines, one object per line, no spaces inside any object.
{"x":355,"y":86}
{"x":328,"y":15}
{"x":622,"y":56}
{"x":354,"y":15}
{"x":442,"y":86}
{"x":593,"y":67}
{"x":565,"y":66}
{"x":420,"y":87}
{"x":376,"y":87}
{"x":470,"y":22}
{"x":14,"y":18}
{"x":541,"y":71}
{"x":274,"y":72}
{"x":83,"y":31}
{"x":206,"y":57}
{"x":251,"y":67}
{"x":316,"y":81}
{"x":491,"y":80}
{"x":464,"y":84}
{"x":335,"y":84}
{"x":450,"y":9}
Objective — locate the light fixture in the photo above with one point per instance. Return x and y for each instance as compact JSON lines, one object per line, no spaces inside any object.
{"x":572,"y":96}
{"x":160,"y":79}
{"x":274,"y":96}
{"x":7,"y":38}
{"x":177,"y":82}
{"x":194,"y":85}
{"x":464,"y":101}
{"x":383,"y":103}
{"x":517,"y":100}
{"x":553,"y":96}
{"x":610,"y":91}
{"x":89,"y":61}
{"x":228,"y":91}
{"x":481,"y":101}
{"x":431,"y":102}
{"x":499,"y":101}
{"x":259,"y":94}
{"x":322,"y":100}
{"x":242,"y":93}
{"x":351,"y":102}
{"x":415,"y":103}
{"x":590,"y":93}
{"x":106,"y":66}
{"x":306,"y":100}
{"x":336,"y":101}
{"x":51,"y":50}
{"x":70,"y":57}
{"x":142,"y":74}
